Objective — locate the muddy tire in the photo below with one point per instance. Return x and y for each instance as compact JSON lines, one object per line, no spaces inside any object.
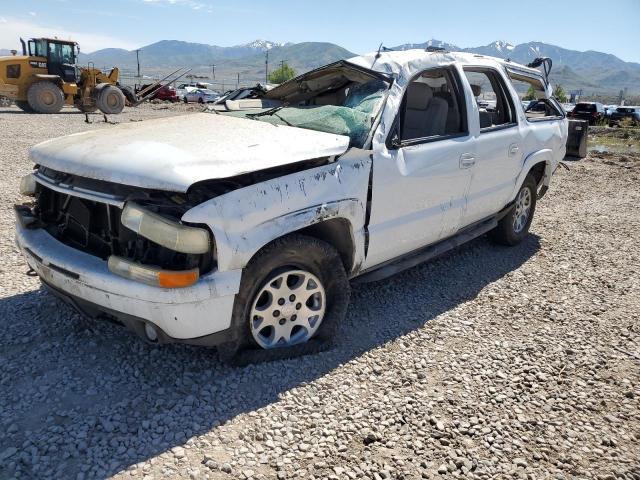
{"x":110,"y":100}
{"x":514,"y":226}
{"x":294,"y":265}
{"x":45,"y":97}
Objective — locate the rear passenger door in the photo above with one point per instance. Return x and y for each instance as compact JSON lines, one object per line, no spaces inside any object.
{"x":422,"y":172}
{"x":498,"y":150}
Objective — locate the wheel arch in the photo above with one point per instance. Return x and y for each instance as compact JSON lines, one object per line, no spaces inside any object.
{"x":541,"y":164}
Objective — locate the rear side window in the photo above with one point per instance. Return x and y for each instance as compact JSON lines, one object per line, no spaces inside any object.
{"x":433,"y":107}
{"x":495,"y":105}
{"x":532,"y":90}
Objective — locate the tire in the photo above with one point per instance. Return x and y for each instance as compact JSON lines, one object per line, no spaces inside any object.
{"x":24,"y":106}
{"x":45,"y":97}
{"x":5,"y":102}
{"x":129,"y":94}
{"x":110,"y":100}
{"x":185,"y":100}
{"x":200,"y":100}
{"x":293,"y":258}
{"x":514,"y":226}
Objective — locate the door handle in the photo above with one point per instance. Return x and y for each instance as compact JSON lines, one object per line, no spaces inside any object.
{"x":513,"y":149}
{"x":467,"y":160}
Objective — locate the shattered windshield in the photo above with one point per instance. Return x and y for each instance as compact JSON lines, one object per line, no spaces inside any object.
{"x":353,"y":118}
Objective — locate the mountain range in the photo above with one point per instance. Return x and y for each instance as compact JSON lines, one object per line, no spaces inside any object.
{"x":593,"y":72}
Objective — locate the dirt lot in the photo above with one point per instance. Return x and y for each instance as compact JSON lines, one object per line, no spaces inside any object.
{"x":490,"y":362}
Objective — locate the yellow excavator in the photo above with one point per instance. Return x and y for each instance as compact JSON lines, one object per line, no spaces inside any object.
{"x":46,"y":77}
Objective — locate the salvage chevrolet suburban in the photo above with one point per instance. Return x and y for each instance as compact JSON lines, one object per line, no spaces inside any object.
{"x":248,"y":238}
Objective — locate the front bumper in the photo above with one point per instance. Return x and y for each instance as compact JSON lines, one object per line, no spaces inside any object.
{"x":186,"y":315}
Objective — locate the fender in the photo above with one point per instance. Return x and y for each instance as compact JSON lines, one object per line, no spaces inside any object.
{"x":545,"y":155}
{"x":245,"y":220}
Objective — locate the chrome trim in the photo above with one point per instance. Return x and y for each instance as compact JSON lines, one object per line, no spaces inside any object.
{"x":79,"y":192}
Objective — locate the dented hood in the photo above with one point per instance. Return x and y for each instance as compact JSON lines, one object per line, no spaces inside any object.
{"x":174,"y":153}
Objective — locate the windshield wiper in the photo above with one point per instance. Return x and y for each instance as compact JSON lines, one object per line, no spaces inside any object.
{"x":269,"y":112}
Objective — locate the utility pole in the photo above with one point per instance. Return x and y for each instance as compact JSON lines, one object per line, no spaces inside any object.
{"x":138,"y":61}
{"x":213,"y":71}
{"x":266,"y":67}
{"x":238,"y":82}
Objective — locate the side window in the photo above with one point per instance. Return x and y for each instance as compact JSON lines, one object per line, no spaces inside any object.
{"x":433,"y":107}
{"x":532,"y":95}
{"x":495,"y":105}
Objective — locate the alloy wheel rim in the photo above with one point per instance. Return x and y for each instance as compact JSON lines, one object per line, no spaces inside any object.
{"x":522,"y":210}
{"x":288,"y":309}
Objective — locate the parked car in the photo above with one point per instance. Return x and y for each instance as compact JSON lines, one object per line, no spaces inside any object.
{"x":243,"y":229}
{"x":608,"y":110}
{"x":200,"y":95}
{"x":621,"y":113}
{"x":161,"y":92}
{"x":591,"y":111}
{"x":245,"y":93}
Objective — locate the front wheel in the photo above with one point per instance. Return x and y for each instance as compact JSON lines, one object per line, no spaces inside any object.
{"x":514,"y":226}
{"x":293,"y":294}
{"x":110,"y":100}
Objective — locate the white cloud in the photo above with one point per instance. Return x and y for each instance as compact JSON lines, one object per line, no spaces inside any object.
{"x":192,"y":4}
{"x":33,"y":14}
{"x":12,"y":29}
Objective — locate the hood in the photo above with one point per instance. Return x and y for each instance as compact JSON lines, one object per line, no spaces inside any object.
{"x":176,"y":152}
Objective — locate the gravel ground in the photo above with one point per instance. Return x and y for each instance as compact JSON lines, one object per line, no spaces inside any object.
{"x":490,"y":362}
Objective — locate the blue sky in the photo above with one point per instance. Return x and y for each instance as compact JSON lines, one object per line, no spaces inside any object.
{"x":610,"y":26}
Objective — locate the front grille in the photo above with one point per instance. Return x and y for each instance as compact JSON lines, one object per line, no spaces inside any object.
{"x":94,"y":227}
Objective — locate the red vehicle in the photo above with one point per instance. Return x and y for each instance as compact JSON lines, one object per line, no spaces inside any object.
{"x":166,"y":92}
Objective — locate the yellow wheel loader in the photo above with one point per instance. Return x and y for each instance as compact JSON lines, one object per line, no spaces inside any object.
{"x":46,"y":77}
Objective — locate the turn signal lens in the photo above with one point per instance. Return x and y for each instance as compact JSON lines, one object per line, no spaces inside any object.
{"x":168,"y":279}
{"x":152,"y":275}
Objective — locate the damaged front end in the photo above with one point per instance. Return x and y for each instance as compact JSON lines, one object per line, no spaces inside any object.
{"x":87,"y":215}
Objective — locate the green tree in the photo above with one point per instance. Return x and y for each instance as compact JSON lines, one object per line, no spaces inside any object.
{"x":560,"y":94}
{"x":531,"y":94}
{"x":282,"y":74}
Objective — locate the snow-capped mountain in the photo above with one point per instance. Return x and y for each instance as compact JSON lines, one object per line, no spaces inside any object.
{"x":261,"y":45}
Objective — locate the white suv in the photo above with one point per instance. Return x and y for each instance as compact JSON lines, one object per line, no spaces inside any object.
{"x":248,"y":237}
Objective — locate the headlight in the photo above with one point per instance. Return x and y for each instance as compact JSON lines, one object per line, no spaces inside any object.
{"x":162,"y":231}
{"x":28,"y":185}
{"x":152,"y":275}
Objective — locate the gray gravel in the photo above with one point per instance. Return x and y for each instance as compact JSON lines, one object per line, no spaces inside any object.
{"x":490,"y":362}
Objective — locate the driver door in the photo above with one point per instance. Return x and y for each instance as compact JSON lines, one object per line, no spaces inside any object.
{"x":61,"y":61}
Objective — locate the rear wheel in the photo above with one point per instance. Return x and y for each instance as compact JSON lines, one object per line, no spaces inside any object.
{"x":514,"y":226}
{"x":110,"y":100}
{"x":45,"y":97}
{"x":293,"y":294}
